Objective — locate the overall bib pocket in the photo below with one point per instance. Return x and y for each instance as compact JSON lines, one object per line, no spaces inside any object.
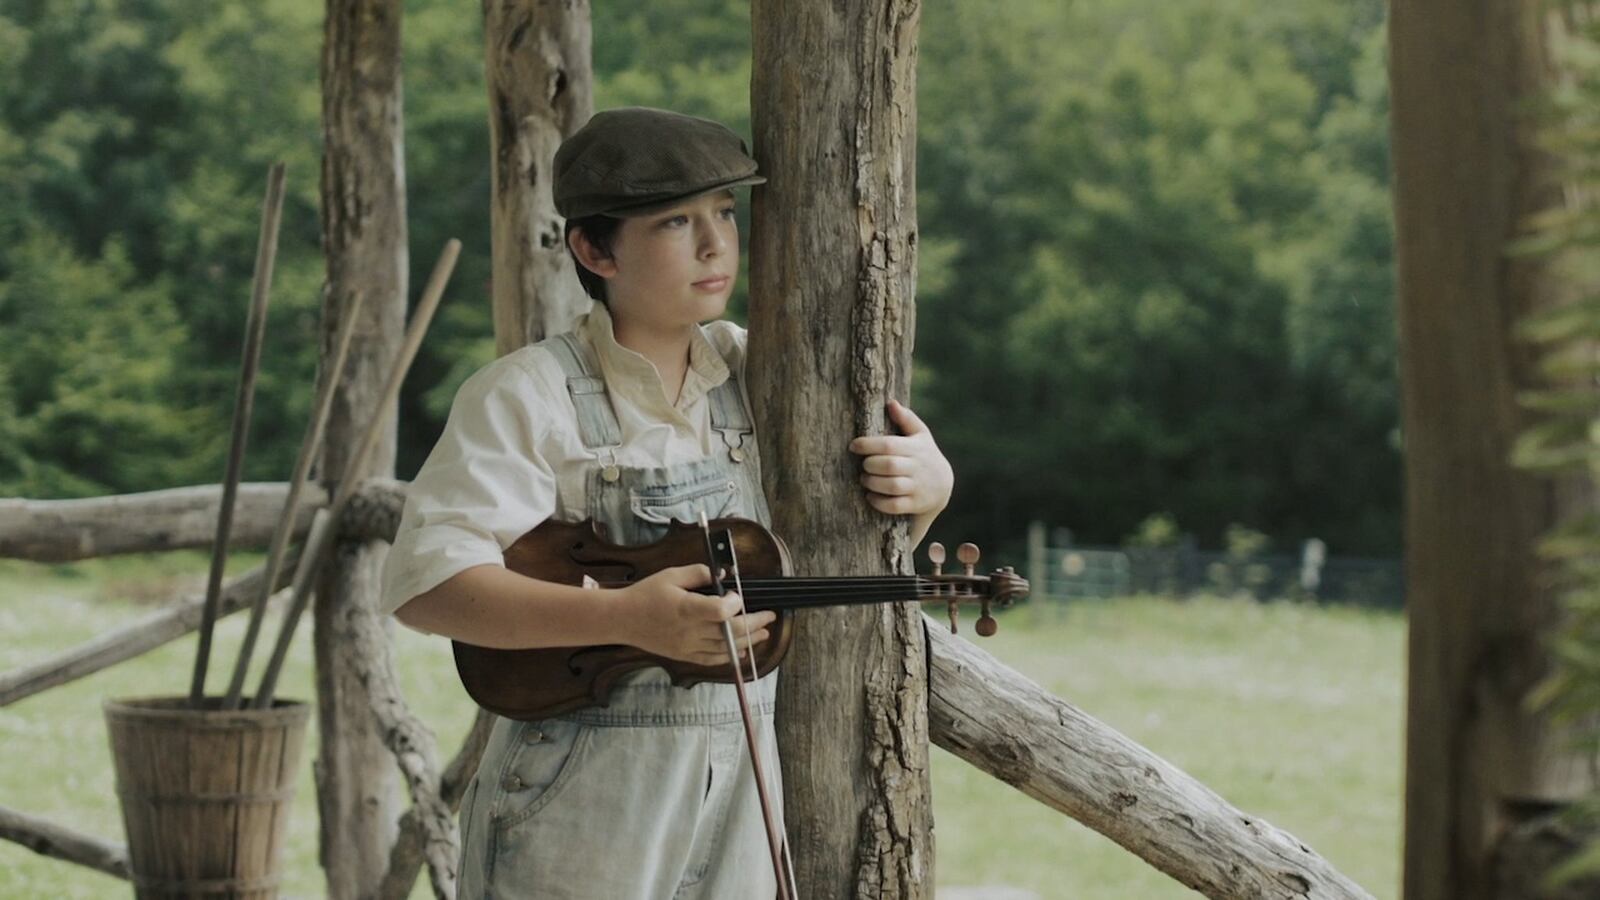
{"x":717,"y":498}
{"x":546,"y":755}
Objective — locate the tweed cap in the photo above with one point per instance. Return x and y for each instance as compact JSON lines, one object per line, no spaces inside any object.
{"x":633,"y":161}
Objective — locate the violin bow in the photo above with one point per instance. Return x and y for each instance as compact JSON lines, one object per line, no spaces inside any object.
{"x":719,"y":554}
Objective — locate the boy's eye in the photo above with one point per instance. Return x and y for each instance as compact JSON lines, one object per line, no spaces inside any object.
{"x":675,"y":222}
{"x":726,"y":212}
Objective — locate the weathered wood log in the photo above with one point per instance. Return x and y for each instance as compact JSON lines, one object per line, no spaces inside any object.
{"x":364,"y":245}
{"x":541,"y":89}
{"x":133,"y":639}
{"x":408,"y":853}
{"x":172,"y":519}
{"x":1008,"y":726}
{"x":832,"y":279}
{"x":1471,"y":167}
{"x":49,"y":839}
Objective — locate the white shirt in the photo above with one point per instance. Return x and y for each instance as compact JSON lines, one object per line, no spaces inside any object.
{"x":510,"y":455}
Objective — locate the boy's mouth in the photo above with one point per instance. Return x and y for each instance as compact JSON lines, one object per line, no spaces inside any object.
{"x":714,"y":283}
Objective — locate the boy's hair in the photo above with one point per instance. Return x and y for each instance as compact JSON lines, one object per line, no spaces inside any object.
{"x":599,"y":230}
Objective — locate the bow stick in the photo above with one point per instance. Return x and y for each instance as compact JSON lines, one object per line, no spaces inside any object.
{"x":720,"y":553}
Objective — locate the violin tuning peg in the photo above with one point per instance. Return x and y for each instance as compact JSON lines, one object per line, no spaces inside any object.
{"x":936,"y":556}
{"x":954,"y":608}
{"x":987,"y":626}
{"x":968,"y":554}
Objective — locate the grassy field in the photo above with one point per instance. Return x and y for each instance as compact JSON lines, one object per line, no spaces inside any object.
{"x":1290,"y":712}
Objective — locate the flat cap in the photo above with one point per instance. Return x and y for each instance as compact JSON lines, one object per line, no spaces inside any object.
{"x":634,"y":160}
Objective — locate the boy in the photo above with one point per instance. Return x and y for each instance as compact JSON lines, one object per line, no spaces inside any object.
{"x":635,"y":418}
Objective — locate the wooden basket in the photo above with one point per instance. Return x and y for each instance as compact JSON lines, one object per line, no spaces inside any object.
{"x":205,"y":794}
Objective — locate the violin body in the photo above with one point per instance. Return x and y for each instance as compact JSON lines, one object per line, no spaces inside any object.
{"x":539,"y":683}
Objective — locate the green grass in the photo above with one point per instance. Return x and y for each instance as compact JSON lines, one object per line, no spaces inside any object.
{"x":1292,"y":713}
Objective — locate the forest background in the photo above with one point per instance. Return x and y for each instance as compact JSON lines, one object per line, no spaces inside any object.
{"x":1155,"y":250}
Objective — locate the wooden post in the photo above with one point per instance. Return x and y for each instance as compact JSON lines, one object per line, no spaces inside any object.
{"x":833,"y":272}
{"x":1468,"y":169}
{"x":536,"y":62}
{"x":364,"y":240}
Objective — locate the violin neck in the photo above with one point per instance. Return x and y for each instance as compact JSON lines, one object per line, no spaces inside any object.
{"x":802,"y":593}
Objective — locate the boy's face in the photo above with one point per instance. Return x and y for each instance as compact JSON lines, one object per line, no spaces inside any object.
{"x":675,"y":267}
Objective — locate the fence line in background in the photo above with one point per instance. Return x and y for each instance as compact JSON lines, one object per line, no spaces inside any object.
{"x":1063,"y":570}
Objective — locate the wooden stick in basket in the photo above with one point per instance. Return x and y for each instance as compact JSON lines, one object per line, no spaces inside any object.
{"x":319,"y":541}
{"x":255,"y":330}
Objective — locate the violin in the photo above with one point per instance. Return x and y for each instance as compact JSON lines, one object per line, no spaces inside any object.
{"x":539,"y":683}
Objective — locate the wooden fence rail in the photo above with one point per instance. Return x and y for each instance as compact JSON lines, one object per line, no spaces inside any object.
{"x":175,"y":519}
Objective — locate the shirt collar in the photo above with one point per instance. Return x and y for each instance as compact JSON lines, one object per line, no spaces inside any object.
{"x":634,"y":377}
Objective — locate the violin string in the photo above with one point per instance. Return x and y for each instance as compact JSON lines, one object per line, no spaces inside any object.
{"x":895,"y":586}
{"x":800,"y":598}
{"x":887,"y":591}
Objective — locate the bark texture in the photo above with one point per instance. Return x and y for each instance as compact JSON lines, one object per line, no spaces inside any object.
{"x":833,"y":274}
{"x":364,"y":242}
{"x":536,"y":63}
{"x":1464,"y":75}
{"x":1009,"y":727}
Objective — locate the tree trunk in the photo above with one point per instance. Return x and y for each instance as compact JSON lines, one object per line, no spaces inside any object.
{"x":364,"y":240}
{"x":1467,"y":170}
{"x":537,"y":66}
{"x":833,"y":272}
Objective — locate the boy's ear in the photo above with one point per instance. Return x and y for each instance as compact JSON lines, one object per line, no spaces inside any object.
{"x":589,"y":256}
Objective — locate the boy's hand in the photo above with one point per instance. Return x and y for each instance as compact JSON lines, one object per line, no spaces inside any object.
{"x":666,"y":617}
{"x":905,"y":474}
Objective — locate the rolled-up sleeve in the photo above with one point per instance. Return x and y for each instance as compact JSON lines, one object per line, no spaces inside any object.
{"x":483,"y":486}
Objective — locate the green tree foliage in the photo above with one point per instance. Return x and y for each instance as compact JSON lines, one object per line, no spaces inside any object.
{"x":1122,"y":236}
{"x":1154,"y":246}
{"x":91,"y":393}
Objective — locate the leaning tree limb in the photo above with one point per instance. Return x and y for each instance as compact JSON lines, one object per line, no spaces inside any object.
{"x":1010,"y":727}
{"x":49,"y":839}
{"x":173,"y":519}
{"x":407,"y":854}
{"x":133,"y":639}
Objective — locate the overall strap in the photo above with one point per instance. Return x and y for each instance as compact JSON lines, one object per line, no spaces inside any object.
{"x":729,"y":416}
{"x":597,"y":421}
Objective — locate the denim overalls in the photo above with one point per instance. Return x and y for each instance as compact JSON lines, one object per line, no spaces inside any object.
{"x":652,"y":796}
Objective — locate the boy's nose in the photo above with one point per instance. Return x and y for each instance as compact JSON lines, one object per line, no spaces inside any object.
{"x":712,"y":242}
